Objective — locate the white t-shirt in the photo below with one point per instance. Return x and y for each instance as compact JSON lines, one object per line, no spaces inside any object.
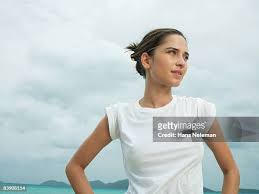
{"x":158,"y":167}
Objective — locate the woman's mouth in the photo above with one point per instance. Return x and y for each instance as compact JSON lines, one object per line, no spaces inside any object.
{"x":177,"y":74}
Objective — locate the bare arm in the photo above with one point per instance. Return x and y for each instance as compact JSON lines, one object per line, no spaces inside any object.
{"x":225,"y":160}
{"x":84,"y":155}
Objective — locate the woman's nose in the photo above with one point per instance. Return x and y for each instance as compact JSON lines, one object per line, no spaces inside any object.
{"x":181,"y":62}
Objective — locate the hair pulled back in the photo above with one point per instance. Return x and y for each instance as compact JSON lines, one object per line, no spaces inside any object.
{"x":148,"y":44}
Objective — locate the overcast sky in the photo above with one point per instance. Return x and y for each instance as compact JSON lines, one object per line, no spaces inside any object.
{"x":63,"y":61}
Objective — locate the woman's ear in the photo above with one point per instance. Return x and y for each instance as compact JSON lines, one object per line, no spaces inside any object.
{"x":146,"y":60}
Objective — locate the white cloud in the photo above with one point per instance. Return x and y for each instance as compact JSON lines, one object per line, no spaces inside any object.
{"x":63,"y":62}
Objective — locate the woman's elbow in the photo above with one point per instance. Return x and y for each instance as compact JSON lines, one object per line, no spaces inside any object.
{"x":236,"y":172}
{"x":238,"y":176}
{"x":70,"y":167}
{"x":233,"y":172}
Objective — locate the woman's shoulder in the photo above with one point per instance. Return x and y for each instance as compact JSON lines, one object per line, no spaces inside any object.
{"x":120,"y":105}
{"x":197,"y":104}
{"x":194,"y":100}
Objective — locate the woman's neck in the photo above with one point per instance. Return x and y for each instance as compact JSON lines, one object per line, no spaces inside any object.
{"x":156,"y":96}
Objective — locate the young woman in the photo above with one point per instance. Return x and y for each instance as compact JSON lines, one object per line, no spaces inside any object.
{"x":156,"y":167}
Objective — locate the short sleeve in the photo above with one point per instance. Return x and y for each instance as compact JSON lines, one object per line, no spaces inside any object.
{"x":205,"y":108}
{"x":206,"y":112}
{"x":112,"y":115}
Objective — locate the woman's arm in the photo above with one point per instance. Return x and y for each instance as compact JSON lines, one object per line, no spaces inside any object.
{"x":84,"y":155}
{"x":225,"y":160}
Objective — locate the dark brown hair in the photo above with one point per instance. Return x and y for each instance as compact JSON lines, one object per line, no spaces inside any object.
{"x":148,"y":44}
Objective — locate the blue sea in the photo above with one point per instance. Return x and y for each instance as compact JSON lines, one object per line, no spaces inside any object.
{"x":59,"y":190}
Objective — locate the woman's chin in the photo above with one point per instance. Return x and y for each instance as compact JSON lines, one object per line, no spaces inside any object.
{"x":171,"y":82}
{"x":175,"y":82}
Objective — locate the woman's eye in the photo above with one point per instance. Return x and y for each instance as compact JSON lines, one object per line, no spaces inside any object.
{"x":172,"y":51}
{"x":186,"y":58}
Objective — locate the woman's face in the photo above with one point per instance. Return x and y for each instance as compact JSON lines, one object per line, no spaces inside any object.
{"x":169,"y":62}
